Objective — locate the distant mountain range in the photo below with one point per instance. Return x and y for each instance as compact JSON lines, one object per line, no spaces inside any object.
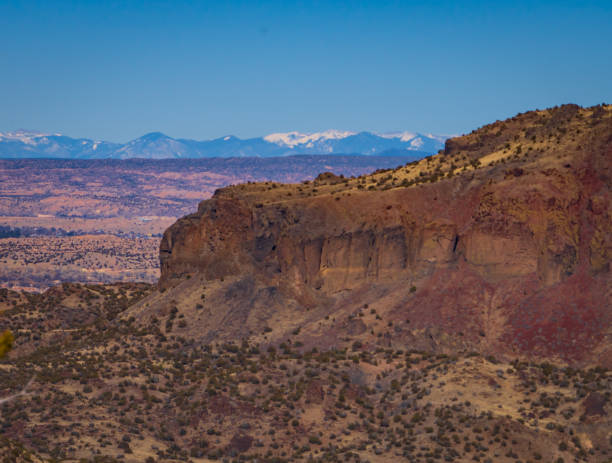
{"x":156,"y":145}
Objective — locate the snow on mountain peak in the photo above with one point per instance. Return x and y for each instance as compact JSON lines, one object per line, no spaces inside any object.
{"x":403,"y":136}
{"x":292,"y":139}
{"x":25,"y":136}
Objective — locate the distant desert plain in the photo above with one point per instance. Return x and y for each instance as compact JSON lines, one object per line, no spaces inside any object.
{"x":100,"y":221}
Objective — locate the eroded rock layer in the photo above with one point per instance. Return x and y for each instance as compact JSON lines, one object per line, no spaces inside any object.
{"x":501,"y":243}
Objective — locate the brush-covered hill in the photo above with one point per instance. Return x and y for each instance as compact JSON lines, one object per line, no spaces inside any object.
{"x":82,"y":385}
{"x":501,"y":243}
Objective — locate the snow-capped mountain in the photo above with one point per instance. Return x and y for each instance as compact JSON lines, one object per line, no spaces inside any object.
{"x":156,"y":145}
{"x":292,"y":139}
{"x":30,"y":144}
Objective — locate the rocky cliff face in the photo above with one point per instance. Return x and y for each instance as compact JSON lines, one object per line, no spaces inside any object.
{"x":501,"y":243}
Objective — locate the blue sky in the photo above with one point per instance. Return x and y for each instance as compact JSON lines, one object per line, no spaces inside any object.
{"x":116,"y":70}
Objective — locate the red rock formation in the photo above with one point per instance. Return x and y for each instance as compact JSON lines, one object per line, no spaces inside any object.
{"x":510,"y":258}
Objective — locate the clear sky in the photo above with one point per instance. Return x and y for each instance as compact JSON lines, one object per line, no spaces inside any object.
{"x":115,"y":70}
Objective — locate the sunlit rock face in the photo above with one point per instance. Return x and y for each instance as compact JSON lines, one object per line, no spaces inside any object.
{"x":506,"y":250}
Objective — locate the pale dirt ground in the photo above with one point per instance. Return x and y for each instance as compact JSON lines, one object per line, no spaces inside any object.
{"x":35,"y":263}
{"x":150,"y":225}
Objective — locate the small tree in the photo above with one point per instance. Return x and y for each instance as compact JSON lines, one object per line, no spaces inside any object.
{"x":6,"y":343}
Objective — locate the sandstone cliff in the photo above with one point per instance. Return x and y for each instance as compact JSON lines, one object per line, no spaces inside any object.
{"x":501,"y":243}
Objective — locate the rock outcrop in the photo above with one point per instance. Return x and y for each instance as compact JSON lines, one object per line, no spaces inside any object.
{"x":501,"y":243}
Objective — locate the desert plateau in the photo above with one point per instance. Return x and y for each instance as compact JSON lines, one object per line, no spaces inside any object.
{"x":454,"y":308}
{"x":305,"y":231}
